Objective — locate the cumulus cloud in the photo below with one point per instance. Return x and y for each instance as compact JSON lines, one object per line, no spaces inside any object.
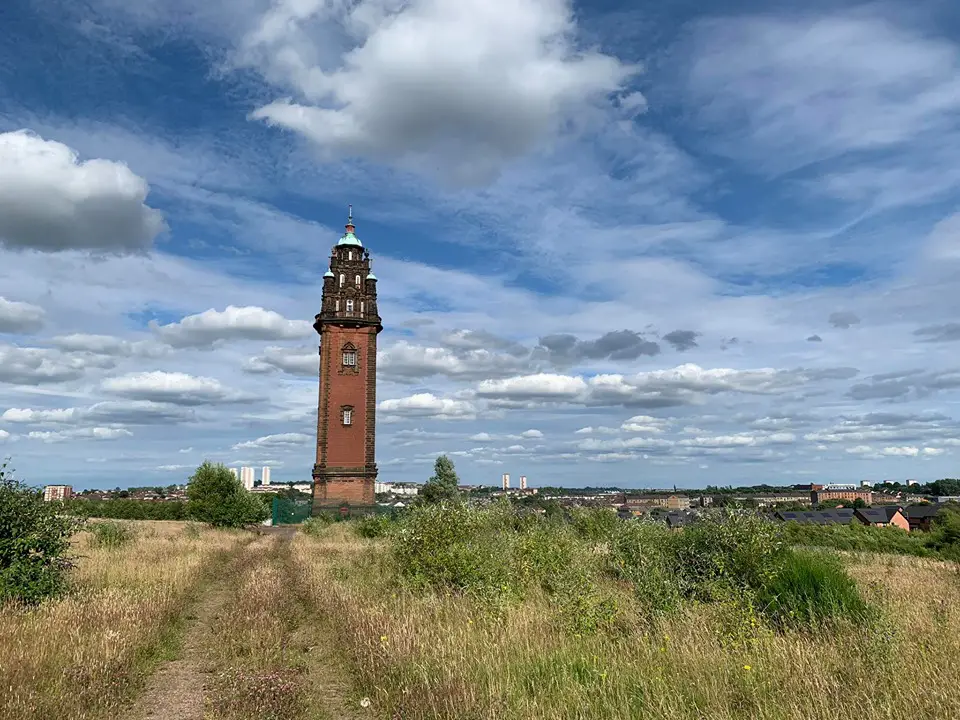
{"x":125,"y":412}
{"x":905,"y":386}
{"x":94,"y":433}
{"x":682,"y":339}
{"x":108,"y":345}
{"x":406,"y":361}
{"x":38,"y":366}
{"x":843,"y":320}
{"x":19,"y":317}
{"x":427,"y":405}
{"x":281,"y":441}
{"x":172,"y":387}
{"x":50,"y":200}
{"x":473,"y":83}
{"x":814,"y":338}
{"x":207,"y":329}
{"x":682,"y":385}
{"x":304,"y":362}
{"x":564,"y":350}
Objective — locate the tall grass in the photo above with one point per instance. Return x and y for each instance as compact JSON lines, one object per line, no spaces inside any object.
{"x":82,"y":656}
{"x":430,"y":649}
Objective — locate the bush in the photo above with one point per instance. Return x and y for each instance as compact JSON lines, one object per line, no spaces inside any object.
{"x":119,"y":509}
{"x":594,"y":524}
{"x":373,"y":526}
{"x":497,"y":556}
{"x":315,"y":525}
{"x":811,"y":590}
{"x":642,"y":553}
{"x":112,"y":534}
{"x":215,"y":496}
{"x":34,"y":543}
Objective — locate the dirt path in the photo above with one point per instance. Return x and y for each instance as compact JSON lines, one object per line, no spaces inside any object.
{"x":178,"y":688}
{"x":175,"y":690}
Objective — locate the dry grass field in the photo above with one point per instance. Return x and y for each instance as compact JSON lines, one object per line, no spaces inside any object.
{"x":434,"y":655}
{"x":82,"y":656}
{"x":182,"y":622}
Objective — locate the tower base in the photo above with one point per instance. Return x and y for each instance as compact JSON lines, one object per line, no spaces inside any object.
{"x":337,"y":487}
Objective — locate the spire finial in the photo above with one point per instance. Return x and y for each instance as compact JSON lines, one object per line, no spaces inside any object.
{"x":349,"y":214}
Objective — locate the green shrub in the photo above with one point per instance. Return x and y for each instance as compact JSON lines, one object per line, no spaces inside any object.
{"x":316,"y":524}
{"x":726,"y":552}
{"x":373,"y":526}
{"x":858,"y":538}
{"x":215,"y":496}
{"x":111,"y":534}
{"x":811,"y":590}
{"x":643,"y":554}
{"x":34,"y":543}
{"x":594,"y":524}
{"x":497,"y":556}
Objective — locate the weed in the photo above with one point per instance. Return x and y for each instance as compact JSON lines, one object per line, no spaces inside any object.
{"x":111,"y":534}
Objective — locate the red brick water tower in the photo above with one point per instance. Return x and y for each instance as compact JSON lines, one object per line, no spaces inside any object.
{"x":348,"y":323}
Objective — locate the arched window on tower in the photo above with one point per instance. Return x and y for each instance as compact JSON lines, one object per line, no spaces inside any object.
{"x":357,"y":281}
{"x":361,"y":307}
{"x":341,"y":279}
{"x":349,"y":305}
{"x":350,"y":255}
{"x":336,"y":305}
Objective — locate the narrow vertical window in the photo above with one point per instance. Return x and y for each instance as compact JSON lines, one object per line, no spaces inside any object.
{"x":336,"y":305}
{"x":347,"y":416}
{"x":341,"y":279}
{"x":357,"y":281}
{"x":350,"y":255}
{"x":361,"y":307}
{"x":349,"y":305}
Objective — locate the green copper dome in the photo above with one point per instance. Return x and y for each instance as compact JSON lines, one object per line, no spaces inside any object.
{"x":350,"y":239}
{"x":371,"y":276}
{"x":328,"y":273}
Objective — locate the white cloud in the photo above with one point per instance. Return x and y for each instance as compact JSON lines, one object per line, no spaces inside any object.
{"x":108,"y":345}
{"x":902,"y":451}
{"x":427,"y":405}
{"x":473,"y":83}
{"x":210,"y":327}
{"x":19,"y":317}
{"x":36,"y":366}
{"x":531,"y":434}
{"x":172,"y":387}
{"x":50,"y":200}
{"x":125,"y":412}
{"x":94,"y":433}
{"x":404,"y":360}
{"x":282,"y":440}
{"x":4,"y":435}
{"x":294,"y":361}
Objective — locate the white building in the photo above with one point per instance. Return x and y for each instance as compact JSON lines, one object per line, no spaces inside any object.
{"x":265,"y":476}
{"x":246,"y":477}
{"x":523,"y":482}
{"x":506,"y":481}
{"x":235,"y":473}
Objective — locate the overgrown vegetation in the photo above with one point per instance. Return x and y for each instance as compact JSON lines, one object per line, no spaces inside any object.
{"x":34,"y":543}
{"x":498,"y":556}
{"x":111,"y":534}
{"x":493,"y":613}
{"x":121,"y":509}
{"x":83,"y":655}
{"x":216,"y":496}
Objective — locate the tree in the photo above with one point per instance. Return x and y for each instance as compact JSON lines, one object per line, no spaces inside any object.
{"x":34,"y":543}
{"x":443,"y":485}
{"x":217,"y":497}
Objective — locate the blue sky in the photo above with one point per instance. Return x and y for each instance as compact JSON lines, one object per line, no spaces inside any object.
{"x":624,"y":244}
